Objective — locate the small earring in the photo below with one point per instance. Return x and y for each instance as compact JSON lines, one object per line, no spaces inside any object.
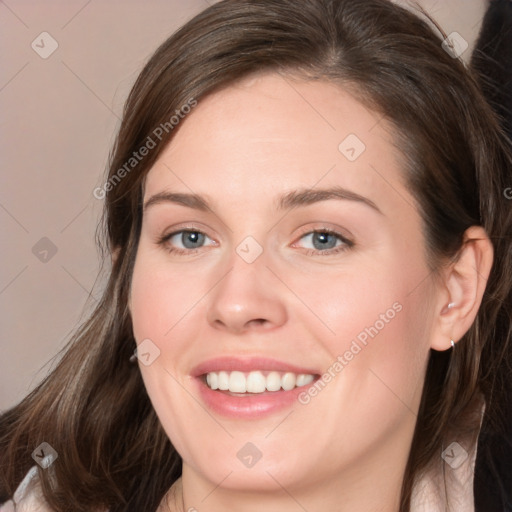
{"x":133,"y":357}
{"x":451,"y":305}
{"x":453,"y":344}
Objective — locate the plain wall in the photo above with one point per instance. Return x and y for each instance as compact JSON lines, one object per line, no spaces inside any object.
{"x":59,"y":118}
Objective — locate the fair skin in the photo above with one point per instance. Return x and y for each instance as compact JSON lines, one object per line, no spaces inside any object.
{"x":241,"y":149}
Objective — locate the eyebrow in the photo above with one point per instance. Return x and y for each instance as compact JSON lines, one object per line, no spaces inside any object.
{"x":292,"y":199}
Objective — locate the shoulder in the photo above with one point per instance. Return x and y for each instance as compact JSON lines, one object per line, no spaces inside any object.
{"x":28,"y":496}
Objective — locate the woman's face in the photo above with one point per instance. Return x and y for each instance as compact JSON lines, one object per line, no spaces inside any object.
{"x":243,"y":289}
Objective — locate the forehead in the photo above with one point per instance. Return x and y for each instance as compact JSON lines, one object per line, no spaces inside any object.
{"x":271,"y":133}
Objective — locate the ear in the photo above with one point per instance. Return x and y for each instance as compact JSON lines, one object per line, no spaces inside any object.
{"x":461,"y":289}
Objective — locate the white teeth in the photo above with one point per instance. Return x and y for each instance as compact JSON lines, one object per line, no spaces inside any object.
{"x":273,"y":381}
{"x":288,"y":381}
{"x":256,"y":382}
{"x":303,"y":380}
{"x":213,"y":380}
{"x":223,"y":381}
{"x":237,"y":382}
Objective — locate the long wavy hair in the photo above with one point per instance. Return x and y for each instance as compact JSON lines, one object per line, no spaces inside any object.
{"x":93,"y":407}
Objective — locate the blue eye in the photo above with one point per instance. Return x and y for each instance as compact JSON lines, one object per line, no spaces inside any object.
{"x":324,"y":239}
{"x":326,"y":242}
{"x":191,"y":241}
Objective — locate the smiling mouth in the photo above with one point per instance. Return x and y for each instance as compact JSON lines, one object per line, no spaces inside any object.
{"x":239,"y":383}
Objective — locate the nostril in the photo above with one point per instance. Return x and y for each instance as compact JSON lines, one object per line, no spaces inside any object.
{"x":258,"y":321}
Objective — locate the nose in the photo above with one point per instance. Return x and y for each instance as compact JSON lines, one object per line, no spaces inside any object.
{"x":248,"y":297}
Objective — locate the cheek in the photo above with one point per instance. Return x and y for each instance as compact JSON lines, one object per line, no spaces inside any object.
{"x":359,"y":301}
{"x":374,"y":323}
{"x":160,"y":302}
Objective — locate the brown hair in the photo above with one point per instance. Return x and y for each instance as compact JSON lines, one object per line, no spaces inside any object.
{"x":93,"y":407}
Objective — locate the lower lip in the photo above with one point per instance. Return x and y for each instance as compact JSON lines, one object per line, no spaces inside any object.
{"x":250,"y":406}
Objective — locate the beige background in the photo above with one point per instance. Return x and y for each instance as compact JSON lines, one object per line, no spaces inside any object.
{"x":59,"y":118}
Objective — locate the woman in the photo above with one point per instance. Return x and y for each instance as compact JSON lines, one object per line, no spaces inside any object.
{"x":311,"y":251}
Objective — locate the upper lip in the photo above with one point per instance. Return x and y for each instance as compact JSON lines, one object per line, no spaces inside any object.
{"x":247,"y":364}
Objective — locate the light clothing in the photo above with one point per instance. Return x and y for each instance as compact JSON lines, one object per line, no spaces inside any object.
{"x":28,"y":496}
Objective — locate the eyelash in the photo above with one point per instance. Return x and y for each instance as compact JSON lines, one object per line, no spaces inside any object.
{"x":347,"y":244}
